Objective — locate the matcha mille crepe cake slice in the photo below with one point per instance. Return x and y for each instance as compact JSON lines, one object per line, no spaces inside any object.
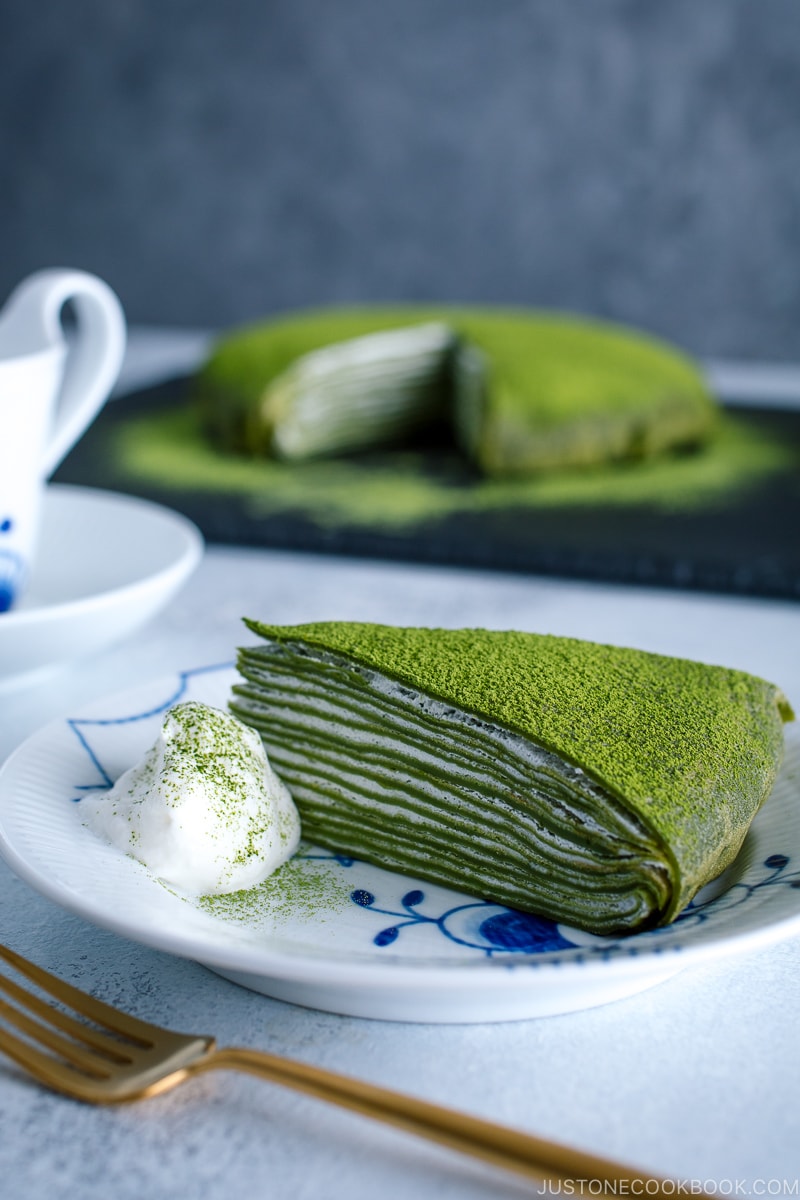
{"x":598,"y":786}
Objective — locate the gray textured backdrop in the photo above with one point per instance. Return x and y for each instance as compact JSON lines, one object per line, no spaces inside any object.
{"x":638,"y":159}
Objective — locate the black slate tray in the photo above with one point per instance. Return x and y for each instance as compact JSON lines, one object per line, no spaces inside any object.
{"x":745,"y":543}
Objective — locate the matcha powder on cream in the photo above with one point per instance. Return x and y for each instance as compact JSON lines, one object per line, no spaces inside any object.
{"x":203,"y":809}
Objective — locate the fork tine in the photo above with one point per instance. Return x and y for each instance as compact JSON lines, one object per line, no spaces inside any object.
{"x":111,"y":1048}
{"x":85,"y":1060}
{"x":138,"y":1031}
{"x":44,"y":1067}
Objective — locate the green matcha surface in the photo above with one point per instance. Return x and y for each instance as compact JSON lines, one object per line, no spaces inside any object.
{"x":547,"y":390}
{"x":692,"y":750}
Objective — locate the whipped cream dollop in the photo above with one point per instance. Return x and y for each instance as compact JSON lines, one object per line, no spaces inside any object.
{"x":203,"y":809}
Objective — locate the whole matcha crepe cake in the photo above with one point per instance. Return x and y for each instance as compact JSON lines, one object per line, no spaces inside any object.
{"x":519,"y":391}
{"x":598,"y":786}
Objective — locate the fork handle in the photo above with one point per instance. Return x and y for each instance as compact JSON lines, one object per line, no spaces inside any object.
{"x":508,"y":1148}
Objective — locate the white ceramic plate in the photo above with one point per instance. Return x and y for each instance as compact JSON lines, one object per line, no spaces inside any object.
{"x":106,"y":564}
{"x":350,"y":938}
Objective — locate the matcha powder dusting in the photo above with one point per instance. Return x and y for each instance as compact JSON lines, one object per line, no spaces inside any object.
{"x":303,"y":891}
{"x":203,"y":809}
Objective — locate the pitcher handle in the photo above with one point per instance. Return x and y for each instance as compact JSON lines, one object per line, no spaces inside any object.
{"x":93,"y":359}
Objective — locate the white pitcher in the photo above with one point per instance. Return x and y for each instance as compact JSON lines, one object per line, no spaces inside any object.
{"x":51,"y":389}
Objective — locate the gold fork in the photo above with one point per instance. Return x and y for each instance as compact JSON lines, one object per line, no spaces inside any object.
{"x":118,"y":1058}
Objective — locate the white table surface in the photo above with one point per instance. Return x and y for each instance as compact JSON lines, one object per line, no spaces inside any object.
{"x":695,"y":1078}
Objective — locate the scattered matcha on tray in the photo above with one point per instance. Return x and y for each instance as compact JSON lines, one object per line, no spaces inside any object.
{"x":522,"y":391}
{"x":403,"y":490}
{"x":598,"y":786}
